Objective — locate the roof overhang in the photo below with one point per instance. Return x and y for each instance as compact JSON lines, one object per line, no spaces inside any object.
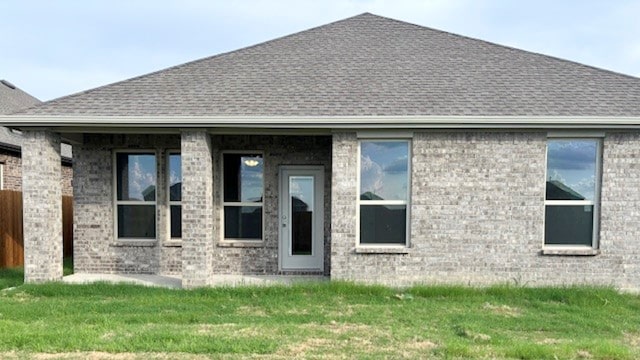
{"x":322,"y":122}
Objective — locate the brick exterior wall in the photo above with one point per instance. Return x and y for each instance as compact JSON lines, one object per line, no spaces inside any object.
{"x":277,"y":150}
{"x":97,"y":250}
{"x":12,"y":173}
{"x":198,"y":228}
{"x":620,"y":211}
{"x":477,"y":210}
{"x":477,"y":214}
{"x":42,"y":207}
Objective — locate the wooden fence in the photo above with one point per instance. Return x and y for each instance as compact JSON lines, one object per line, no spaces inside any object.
{"x":11,"y":239}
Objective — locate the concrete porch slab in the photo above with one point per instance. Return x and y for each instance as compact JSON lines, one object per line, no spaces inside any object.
{"x":175,"y":282}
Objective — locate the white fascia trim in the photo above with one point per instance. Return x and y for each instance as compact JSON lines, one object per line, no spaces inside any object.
{"x":330,"y":122}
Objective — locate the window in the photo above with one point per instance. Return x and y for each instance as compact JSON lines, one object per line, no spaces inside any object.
{"x":572,"y":194}
{"x":1,"y":176}
{"x":384,"y":192}
{"x":174,"y":182}
{"x":135,"y":181}
{"x":242,"y":196}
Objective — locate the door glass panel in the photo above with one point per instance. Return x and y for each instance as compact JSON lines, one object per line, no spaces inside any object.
{"x":301,"y":205}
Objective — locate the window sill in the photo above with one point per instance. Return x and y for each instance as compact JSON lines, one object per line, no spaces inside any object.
{"x":570,"y":251}
{"x":135,"y":243}
{"x":241,"y":244}
{"x":382,"y":250}
{"x":172,"y":243}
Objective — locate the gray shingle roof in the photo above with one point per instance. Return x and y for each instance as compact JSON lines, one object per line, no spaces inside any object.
{"x":365,"y":65}
{"x":13,"y":99}
{"x":13,"y":141}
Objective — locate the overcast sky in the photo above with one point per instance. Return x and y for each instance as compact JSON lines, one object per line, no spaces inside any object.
{"x":55,"y":48}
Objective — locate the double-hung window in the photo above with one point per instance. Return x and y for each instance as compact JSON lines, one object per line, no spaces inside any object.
{"x":572,"y":192}
{"x":135,"y":198}
{"x":384,"y":192}
{"x":242,"y":195}
{"x":175,"y":194}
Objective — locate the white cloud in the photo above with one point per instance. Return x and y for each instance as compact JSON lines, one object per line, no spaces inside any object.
{"x":139,"y":179}
{"x":371,"y":176}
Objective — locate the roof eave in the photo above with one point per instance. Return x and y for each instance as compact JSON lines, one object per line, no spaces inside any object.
{"x":323,"y":122}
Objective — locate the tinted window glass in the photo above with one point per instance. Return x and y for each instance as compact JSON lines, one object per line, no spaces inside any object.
{"x":571,"y":169}
{"x":384,"y":170}
{"x":569,"y":225}
{"x":243,"y":222}
{"x":176,"y":221}
{"x":137,"y":221}
{"x":243,"y":177}
{"x":136,"y":177}
{"x":383,"y":224}
{"x":175,"y":177}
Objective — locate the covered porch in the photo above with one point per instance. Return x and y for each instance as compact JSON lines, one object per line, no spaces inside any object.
{"x":190,"y":224}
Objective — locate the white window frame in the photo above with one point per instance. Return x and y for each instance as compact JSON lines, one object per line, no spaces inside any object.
{"x":595,"y":240}
{"x":117,"y":202}
{"x":240,"y":203}
{"x":168,"y":191}
{"x":1,"y":176}
{"x":406,"y":203}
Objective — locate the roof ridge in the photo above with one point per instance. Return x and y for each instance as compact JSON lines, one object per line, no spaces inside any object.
{"x":505,"y":46}
{"x":210,"y":57}
{"x":332,"y":66}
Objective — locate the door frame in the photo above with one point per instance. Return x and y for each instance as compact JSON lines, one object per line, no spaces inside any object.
{"x":318,"y":172}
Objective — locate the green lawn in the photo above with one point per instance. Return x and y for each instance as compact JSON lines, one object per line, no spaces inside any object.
{"x":322,"y":320}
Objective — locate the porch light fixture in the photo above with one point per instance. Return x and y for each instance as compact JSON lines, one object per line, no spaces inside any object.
{"x":251,"y":162}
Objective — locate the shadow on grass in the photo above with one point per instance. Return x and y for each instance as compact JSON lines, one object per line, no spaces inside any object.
{"x":15,"y":276}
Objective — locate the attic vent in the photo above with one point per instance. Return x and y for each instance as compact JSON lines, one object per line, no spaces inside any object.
{"x":7,"y":84}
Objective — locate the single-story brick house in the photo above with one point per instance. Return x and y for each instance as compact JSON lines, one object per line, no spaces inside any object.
{"x":13,"y":99}
{"x":368,"y":149}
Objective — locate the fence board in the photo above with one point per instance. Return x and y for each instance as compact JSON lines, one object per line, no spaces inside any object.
{"x":11,"y":250}
{"x":67,"y":225}
{"x":11,"y":236}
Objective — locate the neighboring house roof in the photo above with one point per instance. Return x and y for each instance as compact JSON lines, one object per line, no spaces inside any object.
{"x":13,"y":99}
{"x":365,"y":65}
{"x":557,"y":190}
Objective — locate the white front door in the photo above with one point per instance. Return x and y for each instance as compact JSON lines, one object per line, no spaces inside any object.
{"x":301,"y":218}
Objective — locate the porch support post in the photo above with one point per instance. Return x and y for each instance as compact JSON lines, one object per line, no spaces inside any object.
{"x":197,"y":208}
{"x":42,"y":206}
{"x":344,"y":192}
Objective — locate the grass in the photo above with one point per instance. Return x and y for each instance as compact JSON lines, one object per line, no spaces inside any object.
{"x":322,"y":320}
{"x":15,"y":276}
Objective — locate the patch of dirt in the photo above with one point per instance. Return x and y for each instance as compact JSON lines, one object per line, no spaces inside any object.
{"x":584,"y":354}
{"x":549,"y":341}
{"x":251,"y":311}
{"x":505,"y":310}
{"x":22,"y":297}
{"x":420,"y":345}
{"x":345,"y":310}
{"x":300,"y":349}
{"x":632,"y":339}
{"x":339,"y":328}
{"x":209,"y":328}
{"x":108,"y":336}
